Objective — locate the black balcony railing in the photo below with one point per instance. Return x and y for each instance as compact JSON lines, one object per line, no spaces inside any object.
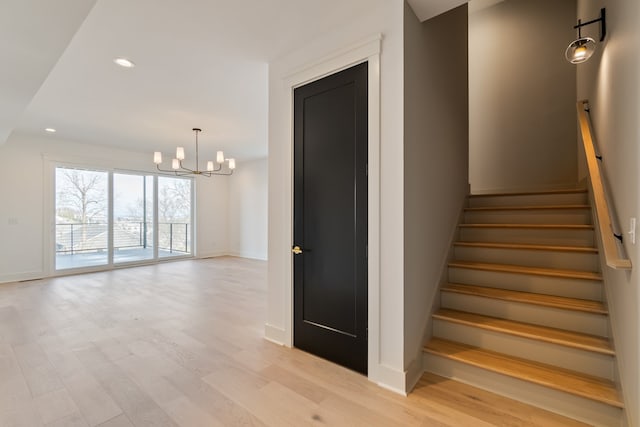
{"x":93,"y":237}
{"x":174,"y":236}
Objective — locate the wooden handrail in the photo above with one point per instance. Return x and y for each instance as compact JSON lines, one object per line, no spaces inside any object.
{"x":605,"y":225}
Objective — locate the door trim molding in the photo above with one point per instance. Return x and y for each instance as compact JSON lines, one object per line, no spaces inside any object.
{"x":367,"y":50}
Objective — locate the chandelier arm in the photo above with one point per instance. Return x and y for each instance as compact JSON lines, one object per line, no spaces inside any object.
{"x":172,"y":172}
{"x":165,"y":170}
{"x":177,"y":172}
{"x":187,"y":170}
{"x":210,"y":174}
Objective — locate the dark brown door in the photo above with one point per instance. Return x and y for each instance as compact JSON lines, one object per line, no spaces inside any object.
{"x":330,"y":217}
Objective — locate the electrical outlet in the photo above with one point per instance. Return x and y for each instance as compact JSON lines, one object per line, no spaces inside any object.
{"x":632,"y":231}
{"x":13,"y":221}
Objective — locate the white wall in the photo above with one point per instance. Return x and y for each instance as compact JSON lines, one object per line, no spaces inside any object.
{"x":436,"y":152}
{"x":248,"y":191}
{"x":25,"y":187}
{"x":383,"y":16}
{"x":610,"y":81}
{"x":21,"y":210}
{"x":522,"y":126}
{"x":212,"y":216}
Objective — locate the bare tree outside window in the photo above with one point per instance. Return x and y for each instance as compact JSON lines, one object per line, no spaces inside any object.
{"x":81,"y":195}
{"x":81,"y":210}
{"x":174,"y":214}
{"x":174,"y":200}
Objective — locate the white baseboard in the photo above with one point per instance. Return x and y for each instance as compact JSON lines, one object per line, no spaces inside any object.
{"x":413,"y":373}
{"x":390,"y":378}
{"x":213,"y":254}
{"x":274,"y":334}
{"x":20,"y":277}
{"x":250,"y":255}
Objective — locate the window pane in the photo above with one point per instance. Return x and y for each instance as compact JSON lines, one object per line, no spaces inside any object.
{"x":174,"y":216}
{"x":132,"y":217}
{"x":81,"y":218}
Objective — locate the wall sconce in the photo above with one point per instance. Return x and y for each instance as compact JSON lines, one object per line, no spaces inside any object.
{"x":582,"y":48}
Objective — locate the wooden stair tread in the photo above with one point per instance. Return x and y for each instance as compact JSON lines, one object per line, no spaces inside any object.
{"x":533,"y":226}
{"x":520,"y":269}
{"x":527,"y":208}
{"x":554,"y":301}
{"x":556,"y":248}
{"x":531,"y":193}
{"x":540,"y":333}
{"x":575,"y":383}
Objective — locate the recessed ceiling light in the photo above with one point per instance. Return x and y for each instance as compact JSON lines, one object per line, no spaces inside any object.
{"x":50,"y":130}
{"x":124,"y":62}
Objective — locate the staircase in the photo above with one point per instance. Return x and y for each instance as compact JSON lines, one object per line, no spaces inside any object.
{"x":523,"y":313}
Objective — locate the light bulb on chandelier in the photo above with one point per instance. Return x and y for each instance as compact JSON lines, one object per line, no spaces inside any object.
{"x":177,"y":167}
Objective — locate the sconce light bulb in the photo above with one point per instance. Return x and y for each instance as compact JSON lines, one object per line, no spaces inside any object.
{"x":580,"y":52}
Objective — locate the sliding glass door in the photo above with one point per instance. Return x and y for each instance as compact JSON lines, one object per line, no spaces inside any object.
{"x":81,"y":218}
{"x":174,"y":216}
{"x":105,"y":218}
{"x":133,"y":223}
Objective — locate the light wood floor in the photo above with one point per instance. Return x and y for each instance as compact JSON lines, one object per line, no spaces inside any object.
{"x":181,"y":344}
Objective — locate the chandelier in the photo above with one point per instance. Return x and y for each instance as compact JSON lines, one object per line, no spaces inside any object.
{"x":179,"y":169}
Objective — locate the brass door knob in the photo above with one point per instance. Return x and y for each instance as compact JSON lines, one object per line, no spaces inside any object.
{"x":296,"y":250}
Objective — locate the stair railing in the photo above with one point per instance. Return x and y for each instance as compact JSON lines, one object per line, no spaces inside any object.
{"x":605,"y":225}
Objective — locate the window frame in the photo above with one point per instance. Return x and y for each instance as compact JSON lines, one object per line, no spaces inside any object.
{"x":49,"y":238}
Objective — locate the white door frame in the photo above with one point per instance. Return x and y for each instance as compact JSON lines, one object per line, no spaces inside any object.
{"x":366,"y":51}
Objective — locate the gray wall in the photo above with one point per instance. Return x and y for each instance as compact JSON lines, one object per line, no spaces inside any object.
{"x":435,"y":160}
{"x":522,"y":96}
{"x":610,"y":81}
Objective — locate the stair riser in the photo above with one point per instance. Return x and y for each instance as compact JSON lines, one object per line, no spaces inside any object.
{"x":555,"y":216}
{"x":558,"y":237}
{"x":572,"y":288}
{"x":584,"y":361}
{"x":588,"y":323}
{"x":576,"y":407}
{"x":530,"y":200}
{"x":529,"y":258}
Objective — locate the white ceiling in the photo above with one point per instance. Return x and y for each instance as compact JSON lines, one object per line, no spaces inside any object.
{"x":427,"y":9}
{"x":33,"y":35}
{"x":199,"y":63}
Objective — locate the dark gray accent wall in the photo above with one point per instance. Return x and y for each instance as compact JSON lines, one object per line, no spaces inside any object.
{"x":435,"y":161}
{"x":522,"y":95}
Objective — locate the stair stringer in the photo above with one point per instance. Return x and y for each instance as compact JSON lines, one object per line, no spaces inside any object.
{"x":416,"y":368}
{"x":611,"y":331}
